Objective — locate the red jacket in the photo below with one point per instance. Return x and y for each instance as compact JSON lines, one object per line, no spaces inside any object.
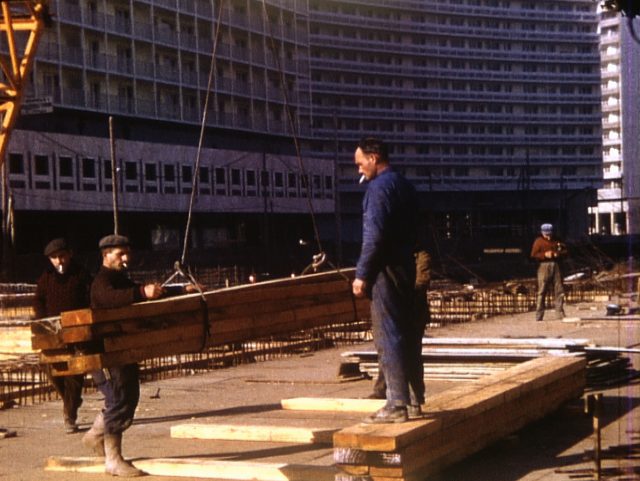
{"x":553,"y":245}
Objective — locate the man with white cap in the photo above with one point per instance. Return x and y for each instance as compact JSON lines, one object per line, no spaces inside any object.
{"x":548,"y":250}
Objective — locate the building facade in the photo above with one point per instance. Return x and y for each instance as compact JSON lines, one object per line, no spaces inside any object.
{"x":618,"y":208}
{"x":491,"y":108}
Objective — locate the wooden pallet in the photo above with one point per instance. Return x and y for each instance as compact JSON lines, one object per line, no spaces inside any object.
{"x":459,"y":422}
{"x":90,"y":339}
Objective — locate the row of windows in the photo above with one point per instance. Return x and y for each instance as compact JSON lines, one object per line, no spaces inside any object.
{"x":346,"y":8}
{"x":89,"y":174}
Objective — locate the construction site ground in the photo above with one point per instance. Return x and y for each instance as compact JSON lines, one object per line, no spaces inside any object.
{"x":559,"y":447}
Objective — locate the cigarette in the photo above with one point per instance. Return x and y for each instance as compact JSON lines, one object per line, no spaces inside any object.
{"x":362,"y":179}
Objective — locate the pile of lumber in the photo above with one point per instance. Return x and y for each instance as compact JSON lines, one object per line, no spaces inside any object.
{"x":463,"y":359}
{"x":459,"y":421}
{"x":84,"y":340}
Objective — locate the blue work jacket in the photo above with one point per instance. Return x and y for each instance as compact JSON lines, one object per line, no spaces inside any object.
{"x":389,"y":225}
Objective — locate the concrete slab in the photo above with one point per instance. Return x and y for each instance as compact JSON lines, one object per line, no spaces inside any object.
{"x":552,"y":450}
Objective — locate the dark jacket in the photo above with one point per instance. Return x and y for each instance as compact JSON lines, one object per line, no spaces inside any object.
{"x":389,"y":228}
{"x":112,"y":288}
{"x":62,"y":292}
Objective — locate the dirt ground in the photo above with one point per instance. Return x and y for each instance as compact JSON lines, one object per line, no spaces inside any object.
{"x":556,"y":448}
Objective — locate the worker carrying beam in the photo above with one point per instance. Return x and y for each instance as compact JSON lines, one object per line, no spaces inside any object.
{"x":120,"y":385}
{"x":63,"y":286}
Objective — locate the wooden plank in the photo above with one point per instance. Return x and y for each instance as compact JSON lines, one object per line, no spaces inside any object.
{"x":82,"y":364}
{"x":473,"y":435}
{"x":234,"y":315}
{"x":465,"y":436}
{"x":236,"y":432}
{"x":91,"y":332}
{"x":202,"y":468}
{"x":287,"y":321}
{"x":480,"y":396}
{"x":277,"y":289}
{"x":332,"y":404}
{"x":46,"y":341}
{"x":173,"y":334}
{"x":143,"y":346}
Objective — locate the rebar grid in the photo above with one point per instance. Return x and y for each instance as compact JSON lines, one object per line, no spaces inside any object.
{"x":24,"y":381}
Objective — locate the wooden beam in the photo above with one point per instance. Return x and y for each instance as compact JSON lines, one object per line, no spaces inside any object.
{"x":238,"y":432}
{"x":288,"y":289}
{"x":332,"y":404}
{"x":473,"y":398}
{"x":202,"y":468}
{"x":460,"y":421}
{"x":109,"y":337}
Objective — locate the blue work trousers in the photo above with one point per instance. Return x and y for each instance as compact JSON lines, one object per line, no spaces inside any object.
{"x":121,"y":388}
{"x":392,"y":299}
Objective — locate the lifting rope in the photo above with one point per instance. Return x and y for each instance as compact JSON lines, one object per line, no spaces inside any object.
{"x":320,"y":258}
{"x":194,"y":180}
{"x":179,"y":266}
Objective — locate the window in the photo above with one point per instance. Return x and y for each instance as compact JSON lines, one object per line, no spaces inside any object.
{"x":88,"y":168}
{"x":236,"y":182}
{"x":292,"y":183}
{"x":221,"y":177}
{"x":41,"y":164}
{"x":16,"y":164}
{"x":66,"y":166}
{"x":235,"y":177}
{"x":150,"y":172}
{"x":203,"y":179}
{"x":130,"y":171}
{"x":169,"y":173}
{"x":278,"y":179}
{"x":186,"y":173}
{"x":264,"y":178}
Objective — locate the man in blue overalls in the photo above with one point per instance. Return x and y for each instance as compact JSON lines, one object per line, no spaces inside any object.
{"x":386,"y":273}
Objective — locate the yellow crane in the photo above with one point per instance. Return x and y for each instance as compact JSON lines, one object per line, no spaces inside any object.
{"x":21,"y":23}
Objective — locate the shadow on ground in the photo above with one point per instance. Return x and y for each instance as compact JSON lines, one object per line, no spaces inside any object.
{"x":540,"y":445}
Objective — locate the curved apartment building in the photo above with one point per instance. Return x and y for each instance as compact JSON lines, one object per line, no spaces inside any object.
{"x":618,"y":208}
{"x":491,"y":107}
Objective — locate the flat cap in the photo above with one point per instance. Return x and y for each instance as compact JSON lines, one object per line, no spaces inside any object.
{"x":546,"y":228}
{"x":113,"y":240}
{"x":55,"y":245}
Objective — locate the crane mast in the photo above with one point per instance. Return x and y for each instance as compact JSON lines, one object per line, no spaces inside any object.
{"x":21,"y":26}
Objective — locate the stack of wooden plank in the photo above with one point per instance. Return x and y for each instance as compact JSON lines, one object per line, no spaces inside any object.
{"x":460,"y":359}
{"x":84,"y":340}
{"x":459,"y":422}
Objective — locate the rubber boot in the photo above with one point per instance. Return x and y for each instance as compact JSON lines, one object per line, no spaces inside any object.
{"x":94,"y":437}
{"x":114,"y":464}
